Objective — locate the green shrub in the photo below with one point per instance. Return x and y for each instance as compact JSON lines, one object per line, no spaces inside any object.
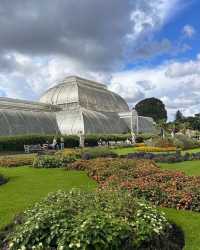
{"x":85,"y":221}
{"x":97,"y":152}
{"x":47,"y":161}
{"x":184,"y":142}
{"x":16,"y":143}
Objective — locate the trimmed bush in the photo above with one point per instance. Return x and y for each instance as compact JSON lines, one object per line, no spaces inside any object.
{"x":17,"y":160}
{"x":98,"y":220}
{"x":98,"y":152}
{"x":16,"y":143}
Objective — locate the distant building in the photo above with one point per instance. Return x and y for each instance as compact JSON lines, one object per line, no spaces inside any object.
{"x":74,"y":106}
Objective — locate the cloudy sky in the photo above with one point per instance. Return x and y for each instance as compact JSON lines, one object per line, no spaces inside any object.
{"x":139,"y":48}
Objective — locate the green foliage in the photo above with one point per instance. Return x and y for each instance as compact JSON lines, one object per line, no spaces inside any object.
{"x":162,"y":142}
{"x":99,"y":220}
{"x":184,"y":142}
{"x":152,"y":107}
{"x":16,"y":143}
{"x":47,"y":161}
{"x":179,"y":116}
{"x":92,"y":153}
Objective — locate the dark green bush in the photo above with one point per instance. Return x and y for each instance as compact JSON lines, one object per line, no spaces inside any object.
{"x":3,"y":180}
{"x":97,"y":152}
{"x":47,"y":161}
{"x":16,"y":143}
{"x":86,"y":221}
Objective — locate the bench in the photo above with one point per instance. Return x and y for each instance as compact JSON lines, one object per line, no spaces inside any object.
{"x":35,"y":148}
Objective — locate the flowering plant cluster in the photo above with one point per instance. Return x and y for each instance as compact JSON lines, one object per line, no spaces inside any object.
{"x":47,"y":161}
{"x":144,"y":179}
{"x":17,"y":160}
{"x":156,"y":149}
{"x":98,"y":220}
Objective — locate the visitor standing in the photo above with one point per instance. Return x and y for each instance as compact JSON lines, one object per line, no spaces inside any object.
{"x":62,"y":143}
{"x":55,"y":143}
{"x":133,"y":137}
{"x":81,"y":140}
{"x":162,"y":133}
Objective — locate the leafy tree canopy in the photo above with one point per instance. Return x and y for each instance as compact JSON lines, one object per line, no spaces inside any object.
{"x":179,"y":116}
{"x":152,"y":107}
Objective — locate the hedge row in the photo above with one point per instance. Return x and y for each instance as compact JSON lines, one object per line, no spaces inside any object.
{"x":16,"y":143}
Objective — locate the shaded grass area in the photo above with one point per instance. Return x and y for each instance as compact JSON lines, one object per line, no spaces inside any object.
{"x":191,"y":168}
{"x":28,"y":185}
{"x":189,"y":222}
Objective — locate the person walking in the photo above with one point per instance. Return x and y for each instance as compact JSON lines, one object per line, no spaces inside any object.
{"x":62,"y":143}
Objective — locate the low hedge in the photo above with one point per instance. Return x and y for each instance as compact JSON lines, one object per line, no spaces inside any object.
{"x":96,"y":220}
{"x":165,"y":157}
{"x":16,"y":143}
{"x":92,"y":153}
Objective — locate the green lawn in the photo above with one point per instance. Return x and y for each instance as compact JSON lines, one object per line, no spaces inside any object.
{"x":28,"y":185}
{"x":194,"y":150}
{"x":188,"y":167}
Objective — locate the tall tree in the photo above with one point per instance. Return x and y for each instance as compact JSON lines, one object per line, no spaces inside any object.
{"x":152,"y":107}
{"x":179,"y":116}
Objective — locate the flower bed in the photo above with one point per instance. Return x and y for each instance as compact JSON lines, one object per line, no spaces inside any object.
{"x":99,"y":220}
{"x":144,"y":179}
{"x":156,"y":149}
{"x":58,"y":161}
{"x":165,"y":157}
{"x":16,"y":160}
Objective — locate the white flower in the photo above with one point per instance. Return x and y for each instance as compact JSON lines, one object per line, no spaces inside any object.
{"x":78,"y":245}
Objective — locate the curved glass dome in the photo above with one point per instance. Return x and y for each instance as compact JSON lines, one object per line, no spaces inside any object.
{"x":76,"y":91}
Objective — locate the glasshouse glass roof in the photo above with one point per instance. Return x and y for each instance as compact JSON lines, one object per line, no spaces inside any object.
{"x":73,"y":106}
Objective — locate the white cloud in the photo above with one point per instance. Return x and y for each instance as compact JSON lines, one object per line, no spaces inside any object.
{"x":189,"y":31}
{"x":177,"y":84}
